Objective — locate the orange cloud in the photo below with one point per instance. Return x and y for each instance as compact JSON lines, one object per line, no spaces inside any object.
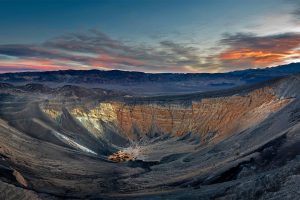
{"x":257,"y":58}
{"x":260,"y":51}
{"x":32,"y":64}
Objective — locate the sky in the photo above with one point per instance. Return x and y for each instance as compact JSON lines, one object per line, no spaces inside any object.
{"x":182,"y":36}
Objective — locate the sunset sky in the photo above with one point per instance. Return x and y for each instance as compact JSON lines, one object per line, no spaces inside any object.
{"x":148,"y":35}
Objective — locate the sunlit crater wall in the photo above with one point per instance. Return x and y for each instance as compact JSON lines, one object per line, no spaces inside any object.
{"x":211,"y":118}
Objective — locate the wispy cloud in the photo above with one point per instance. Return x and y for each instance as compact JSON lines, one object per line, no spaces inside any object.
{"x":95,"y":49}
{"x":296,"y":9}
{"x":249,"y":50}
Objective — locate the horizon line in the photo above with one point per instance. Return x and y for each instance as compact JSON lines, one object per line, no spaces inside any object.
{"x":37,"y":71}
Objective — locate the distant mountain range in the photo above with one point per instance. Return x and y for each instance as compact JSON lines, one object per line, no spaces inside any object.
{"x":140,"y":83}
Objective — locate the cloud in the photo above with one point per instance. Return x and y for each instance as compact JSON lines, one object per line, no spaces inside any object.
{"x":183,"y":55}
{"x":95,"y":49}
{"x":297,"y":14}
{"x":30,"y":64}
{"x":259,"y":51}
{"x":92,"y":41}
{"x":296,"y":9}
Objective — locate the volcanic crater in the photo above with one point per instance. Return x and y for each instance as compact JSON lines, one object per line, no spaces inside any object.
{"x":98,"y":144}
